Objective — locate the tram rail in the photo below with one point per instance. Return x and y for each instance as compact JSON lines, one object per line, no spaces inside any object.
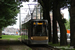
{"x":43,"y":47}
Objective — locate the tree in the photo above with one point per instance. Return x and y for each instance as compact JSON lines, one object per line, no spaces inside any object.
{"x":59,"y":4}
{"x":8,"y":13}
{"x":22,"y":0}
{"x":72,"y":23}
{"x":55,"y":37}
{"x":46,"y":14}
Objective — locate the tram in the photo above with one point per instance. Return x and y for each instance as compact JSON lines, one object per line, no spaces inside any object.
{"x":37,"y":31}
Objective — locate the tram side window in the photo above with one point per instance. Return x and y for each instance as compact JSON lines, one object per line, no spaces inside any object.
{"x":39,"y":30}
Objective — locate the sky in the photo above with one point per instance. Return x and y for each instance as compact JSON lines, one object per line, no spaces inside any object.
{"x":66,"y":13}
{"x":25,"y":9}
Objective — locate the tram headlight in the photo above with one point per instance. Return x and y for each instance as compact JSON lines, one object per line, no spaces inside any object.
{"x":47,"y":38}
{"x":32,"y":38}
{"x":34,"y":23}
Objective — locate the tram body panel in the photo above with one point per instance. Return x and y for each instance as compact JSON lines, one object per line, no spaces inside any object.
{"x":39,"y":42}
{"x":39,"y":38}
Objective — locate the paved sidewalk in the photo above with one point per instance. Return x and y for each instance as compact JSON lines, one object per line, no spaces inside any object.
{"x":13,"y":45}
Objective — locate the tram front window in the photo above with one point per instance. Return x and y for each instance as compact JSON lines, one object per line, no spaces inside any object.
{"x":39,"y":30}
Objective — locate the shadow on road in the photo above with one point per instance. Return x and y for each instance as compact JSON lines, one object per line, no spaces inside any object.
{"x":13,"y":45}
{"x":10,"y":42}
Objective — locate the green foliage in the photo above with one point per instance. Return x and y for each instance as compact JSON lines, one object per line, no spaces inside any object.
{"x":8,"y":37}
{"x":22,"y":0}
{"x":64,"y":20}
{"x":50,"y":43}
{"x":61,"y":47}
{"x":67,"y":24}
{"x":8,"y":12}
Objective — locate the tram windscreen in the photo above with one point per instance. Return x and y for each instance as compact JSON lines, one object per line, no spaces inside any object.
{"x":39,"y":30}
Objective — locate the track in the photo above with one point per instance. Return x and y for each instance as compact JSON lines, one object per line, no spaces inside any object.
{"x":39,"y":46}
{"x":43,"y":47}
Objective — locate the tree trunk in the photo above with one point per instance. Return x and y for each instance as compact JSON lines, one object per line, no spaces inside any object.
{"x":0,"y":33}
{"x":55,"y":37}
{"x":63,"y":34}
{"x":72,"y":23}
{"x":46,"y":16}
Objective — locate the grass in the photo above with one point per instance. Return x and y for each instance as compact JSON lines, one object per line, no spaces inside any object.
{"x":61,"y":47}
{"x":50,"y":43}
{"x":8,"y":37}
{"x":24,"y":36}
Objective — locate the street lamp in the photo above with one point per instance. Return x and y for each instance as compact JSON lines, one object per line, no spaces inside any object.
{"x":20,"y":19}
